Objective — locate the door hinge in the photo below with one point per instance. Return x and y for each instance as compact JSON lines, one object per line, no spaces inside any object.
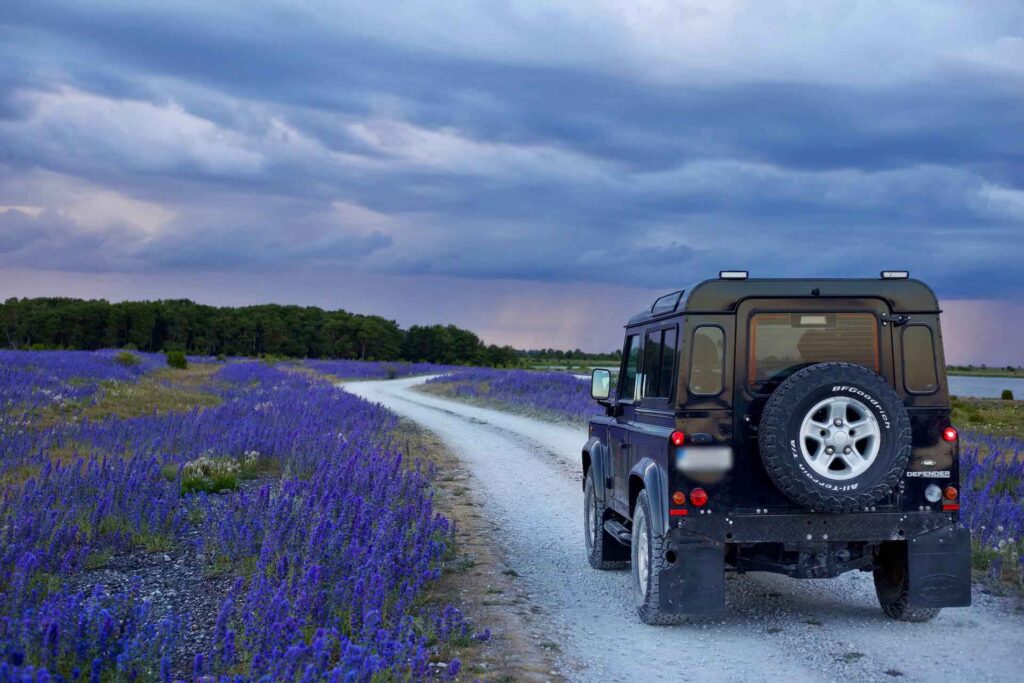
{"x":896,"y":320}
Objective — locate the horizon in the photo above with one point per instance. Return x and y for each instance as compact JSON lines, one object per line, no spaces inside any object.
{"x":965,"y":328}
{"x":535,"y":172}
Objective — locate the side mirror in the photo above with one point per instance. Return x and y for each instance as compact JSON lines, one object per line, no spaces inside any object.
{"x":600,"y":384}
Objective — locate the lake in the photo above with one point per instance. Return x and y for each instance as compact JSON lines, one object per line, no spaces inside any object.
{"x":985,"y":387}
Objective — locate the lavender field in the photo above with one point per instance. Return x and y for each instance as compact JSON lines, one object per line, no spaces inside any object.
{"x":357,"y":369}
{"x":276,"y":534}
{"x":992,"y":467}
{"x":556,"y":395}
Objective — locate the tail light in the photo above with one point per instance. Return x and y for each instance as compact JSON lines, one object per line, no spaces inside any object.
{"x":699,"y":497}
{"x":679,"y":498}
{"x":677,"y":438}
{"x":949,"y":501}
{"x":949,"y":434}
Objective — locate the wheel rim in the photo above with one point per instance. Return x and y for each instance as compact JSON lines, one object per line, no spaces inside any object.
{"x":642,"y":562}
{"x":588,"y":516}
{"x":840,"y":438}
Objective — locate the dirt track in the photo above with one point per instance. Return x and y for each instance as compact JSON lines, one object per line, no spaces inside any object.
{"x":527,"y":476}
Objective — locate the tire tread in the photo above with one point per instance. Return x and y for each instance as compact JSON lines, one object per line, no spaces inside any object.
{"x":772,"y":439}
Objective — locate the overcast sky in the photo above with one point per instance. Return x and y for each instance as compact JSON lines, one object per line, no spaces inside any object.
{"x":515,"y":167}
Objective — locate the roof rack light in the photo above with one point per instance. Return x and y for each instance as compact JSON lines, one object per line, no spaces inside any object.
{"x":895,"y":274}
{"x":733,"y":275}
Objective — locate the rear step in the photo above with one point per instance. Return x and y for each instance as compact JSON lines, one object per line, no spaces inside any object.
{"x":619,"y":531}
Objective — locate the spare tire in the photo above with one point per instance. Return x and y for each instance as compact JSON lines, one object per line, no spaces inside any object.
{"x":835,"y":437}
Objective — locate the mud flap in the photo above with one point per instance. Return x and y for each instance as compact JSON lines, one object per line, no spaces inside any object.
{"x":939,"y":568}
{"x":695,"y":582}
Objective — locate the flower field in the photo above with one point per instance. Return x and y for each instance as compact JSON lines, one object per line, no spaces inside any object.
{"x":551,"y":394}
{"x":992,"y":467}
{"x":310,"y":537}
{"x":357,"y":369}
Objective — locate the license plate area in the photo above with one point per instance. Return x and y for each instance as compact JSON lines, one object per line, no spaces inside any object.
{"x":703,"y":460}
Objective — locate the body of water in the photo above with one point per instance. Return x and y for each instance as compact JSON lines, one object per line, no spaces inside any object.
{"x":985,"y":387}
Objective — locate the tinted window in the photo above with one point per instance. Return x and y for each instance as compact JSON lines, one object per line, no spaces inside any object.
{"x":668,"y":359}
{"x":659,"y":360}
{"x":631,"y":358}
{"x":919,"y":374}
{"x":707,"y":361}
{"x":781,"y":343}
{"x":652,"y":361}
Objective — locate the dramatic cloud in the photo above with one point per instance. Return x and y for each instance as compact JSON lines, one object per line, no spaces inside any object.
{"x":623,"y":144}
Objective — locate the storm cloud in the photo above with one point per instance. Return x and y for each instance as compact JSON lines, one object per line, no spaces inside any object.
{"x":614,"y":143}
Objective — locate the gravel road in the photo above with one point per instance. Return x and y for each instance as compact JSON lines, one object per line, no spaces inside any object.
{"x":527,"y":478}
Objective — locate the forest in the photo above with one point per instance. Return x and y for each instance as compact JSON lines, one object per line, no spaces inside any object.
{"x":267,"y":329}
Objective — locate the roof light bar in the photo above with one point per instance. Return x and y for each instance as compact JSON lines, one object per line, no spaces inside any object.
{"x":733,"y":275}
{"x":895,"y":274}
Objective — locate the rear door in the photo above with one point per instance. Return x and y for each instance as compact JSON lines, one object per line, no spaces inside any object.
{"x":777,"y":337}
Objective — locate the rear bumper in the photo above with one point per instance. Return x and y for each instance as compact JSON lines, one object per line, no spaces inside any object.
{"x":938,"y":553}
{"x":800,"y":528}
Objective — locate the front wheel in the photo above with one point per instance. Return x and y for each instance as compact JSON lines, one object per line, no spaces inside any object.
{"x":892,"y":585}
{"x":648,"y":561}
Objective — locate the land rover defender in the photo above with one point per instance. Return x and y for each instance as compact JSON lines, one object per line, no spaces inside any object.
{"x":794,"y":426}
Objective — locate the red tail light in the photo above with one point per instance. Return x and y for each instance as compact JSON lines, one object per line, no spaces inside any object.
{"x":950,"y":493}
{"x":677,"y":438}
{"x":949,"y":434}
{"x":699,"y":497}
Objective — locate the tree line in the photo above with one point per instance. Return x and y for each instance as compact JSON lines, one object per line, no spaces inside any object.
{"x":268,"y":329}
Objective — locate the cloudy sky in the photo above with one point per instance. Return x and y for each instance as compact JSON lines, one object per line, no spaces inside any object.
{"x":534,"y":170}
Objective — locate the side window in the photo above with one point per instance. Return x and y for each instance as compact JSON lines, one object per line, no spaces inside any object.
{"x":659,"y":362}
{"x":668,"y":359}
{"x":630,"y":360}
{"x":707,"y":361}
{"x":652,"y":360}
{"x":919,"y":374}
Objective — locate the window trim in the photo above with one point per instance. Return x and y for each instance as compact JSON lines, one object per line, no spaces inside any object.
{"x":903,"y":360}
{"x":689,"y":375}
{"x":622,"y":370}
{"x":675,"y":363}
{"x":751,"y":341}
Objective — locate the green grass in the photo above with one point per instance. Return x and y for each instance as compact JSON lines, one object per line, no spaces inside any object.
{"x":989,"y":415}
{"x":163,"y":391}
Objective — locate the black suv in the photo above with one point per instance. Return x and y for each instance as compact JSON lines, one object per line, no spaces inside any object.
{"x":792,"y":426}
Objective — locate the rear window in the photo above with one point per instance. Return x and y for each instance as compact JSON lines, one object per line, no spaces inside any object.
{"x":919,"y":373}
{"x":782,"y":343}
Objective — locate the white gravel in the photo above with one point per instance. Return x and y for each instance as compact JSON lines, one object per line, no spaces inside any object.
{"x":527,"y":478}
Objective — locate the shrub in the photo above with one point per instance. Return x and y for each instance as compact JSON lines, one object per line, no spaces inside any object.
{"x":176,"y":359}
{"x":209,"y":474}
{"x":1007,"y":395}
{"x":127,"y":359}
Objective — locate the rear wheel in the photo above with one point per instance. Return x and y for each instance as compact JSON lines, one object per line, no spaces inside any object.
{"x":892,"y":585}
{"x":603,"y":551}
{"x":648,"y":561}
